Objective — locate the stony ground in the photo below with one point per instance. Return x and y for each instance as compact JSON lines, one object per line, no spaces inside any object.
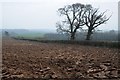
{"x":23,"y":59}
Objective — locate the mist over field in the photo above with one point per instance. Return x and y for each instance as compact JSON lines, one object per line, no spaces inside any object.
{"x":44,"y":15}
{"x":54,"y":35}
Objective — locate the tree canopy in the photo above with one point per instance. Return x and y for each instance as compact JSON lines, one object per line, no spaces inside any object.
{"x":78,"y":15}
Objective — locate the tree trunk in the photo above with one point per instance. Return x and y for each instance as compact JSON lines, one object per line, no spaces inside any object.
{"x":72,"y":37}
{"x":73,"y":33}
{"x":88,"y":34}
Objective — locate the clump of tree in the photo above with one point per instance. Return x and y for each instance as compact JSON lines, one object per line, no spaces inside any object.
{"x":78,"y":15}
{"x":7,"y":33}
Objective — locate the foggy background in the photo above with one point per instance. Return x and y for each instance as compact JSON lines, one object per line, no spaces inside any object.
{"x":42,"y":14}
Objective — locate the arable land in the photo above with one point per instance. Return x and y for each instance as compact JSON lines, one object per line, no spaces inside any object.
{"x":27,"y":59}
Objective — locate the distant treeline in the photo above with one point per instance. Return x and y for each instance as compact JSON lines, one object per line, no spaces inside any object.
{"x":111,"y":35}
{"x":103,"y":39}
{"x":97,"y":36}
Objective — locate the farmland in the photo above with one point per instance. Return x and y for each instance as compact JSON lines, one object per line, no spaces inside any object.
{"x":27,"y":59}
{"x":49,"y":40}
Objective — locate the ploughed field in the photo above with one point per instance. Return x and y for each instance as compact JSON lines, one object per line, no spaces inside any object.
{"x":25,"y":59}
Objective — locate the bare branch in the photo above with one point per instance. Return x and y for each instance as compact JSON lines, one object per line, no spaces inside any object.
{"x":93,"y":20}
{"x":74,"y":18}
{"x":101,"y":22}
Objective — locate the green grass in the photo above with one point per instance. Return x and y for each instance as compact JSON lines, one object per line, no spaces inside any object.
{"x":31,"y":35}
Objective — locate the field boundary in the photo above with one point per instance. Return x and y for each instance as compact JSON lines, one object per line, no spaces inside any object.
{"x":86,"y":43}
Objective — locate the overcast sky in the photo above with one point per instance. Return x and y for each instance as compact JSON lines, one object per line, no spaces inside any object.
{"x":42,"y":14}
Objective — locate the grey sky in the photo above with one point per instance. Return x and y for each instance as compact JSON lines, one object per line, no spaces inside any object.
{"x":34,"y":14}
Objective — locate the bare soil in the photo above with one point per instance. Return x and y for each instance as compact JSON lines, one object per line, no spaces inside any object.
{"x":25,"y":59}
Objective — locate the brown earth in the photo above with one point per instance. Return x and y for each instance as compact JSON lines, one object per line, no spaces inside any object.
{"x":24,"y":59}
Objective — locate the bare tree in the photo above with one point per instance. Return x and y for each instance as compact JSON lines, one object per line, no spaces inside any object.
{"x":73,"y":19}
{"x":92,"y":19}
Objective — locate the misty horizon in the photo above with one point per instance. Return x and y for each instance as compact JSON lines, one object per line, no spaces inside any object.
{"x":33,"y":15}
